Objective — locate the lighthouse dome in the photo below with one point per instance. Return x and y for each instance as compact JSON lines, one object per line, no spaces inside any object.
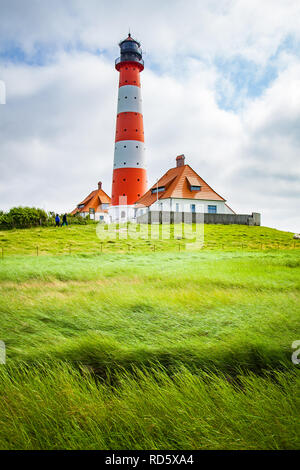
{"x":131,"y":46}
{"x":131,"y":51}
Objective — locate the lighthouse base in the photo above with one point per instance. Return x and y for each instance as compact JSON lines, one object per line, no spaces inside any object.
{"x":122,"y":214}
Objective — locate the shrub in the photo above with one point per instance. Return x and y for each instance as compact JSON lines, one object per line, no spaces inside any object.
{"x":77,"y":220}
{"x":23,"y":217}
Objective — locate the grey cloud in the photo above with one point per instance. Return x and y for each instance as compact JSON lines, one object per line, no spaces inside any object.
{"x":57,"y":128}
{"x":169,"y":28}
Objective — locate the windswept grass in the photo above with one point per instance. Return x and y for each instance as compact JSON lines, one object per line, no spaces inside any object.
{"x":150,"y":350}
{"x":198,"y":308}
{"x":66,"y":409}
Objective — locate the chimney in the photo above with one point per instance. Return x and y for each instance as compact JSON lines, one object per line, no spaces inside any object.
{"x":180,"y":160}
{"x":100,"y":185}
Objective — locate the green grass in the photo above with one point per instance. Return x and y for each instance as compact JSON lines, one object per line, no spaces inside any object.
{"x":83,"y":239}
{"x":138,"y":350}
{"x":62,"y":408}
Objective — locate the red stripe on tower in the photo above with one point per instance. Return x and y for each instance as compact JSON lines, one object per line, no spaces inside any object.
{"x":129,"y":173}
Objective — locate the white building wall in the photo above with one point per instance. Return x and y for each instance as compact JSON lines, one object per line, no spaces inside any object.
{"x":97,"y":215}
{"x":122,"y":213}
{"x":185,"y":205}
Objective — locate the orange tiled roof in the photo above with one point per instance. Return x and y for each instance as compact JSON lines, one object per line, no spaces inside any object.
{"x":177,"y":182}
{"x":93,"y":201}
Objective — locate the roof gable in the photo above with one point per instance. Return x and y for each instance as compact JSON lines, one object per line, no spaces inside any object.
{"x":177,"y":182}
{"x":93,"y":201}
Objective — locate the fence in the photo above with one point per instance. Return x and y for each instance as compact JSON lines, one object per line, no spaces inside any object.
{"x":171,"y":217}
{"x":112,"y":247}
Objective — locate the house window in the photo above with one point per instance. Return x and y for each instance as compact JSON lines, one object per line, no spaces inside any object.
{"x":101,"y":217}
{"x":105,"y":206}
{"x":193,"y":207}
{"x":159,"y":189}
{"x":123,"y":215}
{"x":195,"y":188}
{"x":177,"y":207}
{"x":212,"y":209}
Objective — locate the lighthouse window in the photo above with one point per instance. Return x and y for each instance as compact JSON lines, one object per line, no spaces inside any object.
{"x":125,"y":129}
{"x":138,"y":195}
{"x":124,"y":179}
{"x":136,"y":130}
{"x":136,"y":146}
{"x":125,"y":97}
{"x":137,"y":163}
{"x":138,"y":179}
{"x":135,"y":97}
{"x":124,"y":163}
{"x":124,"y":146}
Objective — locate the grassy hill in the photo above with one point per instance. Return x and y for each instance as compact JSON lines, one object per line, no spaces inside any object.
{"x":135,"y":348}
{"x":83,"y":239}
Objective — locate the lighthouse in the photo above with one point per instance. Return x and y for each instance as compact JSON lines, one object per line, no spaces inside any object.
{"x":129,"y":171}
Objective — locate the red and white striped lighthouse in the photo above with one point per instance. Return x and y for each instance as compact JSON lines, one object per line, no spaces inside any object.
{"x":129,"y":173}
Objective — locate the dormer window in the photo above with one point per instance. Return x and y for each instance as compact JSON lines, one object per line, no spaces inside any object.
{"x":158,"y":189}
{"x":81,"y":206}
{"x":195,"y":188}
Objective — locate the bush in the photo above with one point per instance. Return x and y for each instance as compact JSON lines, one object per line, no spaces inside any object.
{"x":77,"y":220}
{"x":26,"y":217}
{"x":23,"y":217}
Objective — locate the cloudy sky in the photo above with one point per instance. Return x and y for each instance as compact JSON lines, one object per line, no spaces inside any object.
{"x":221,"y":84}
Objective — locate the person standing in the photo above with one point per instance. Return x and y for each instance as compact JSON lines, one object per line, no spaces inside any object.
{"x":57,"y":220}
{"x":64,"y":221}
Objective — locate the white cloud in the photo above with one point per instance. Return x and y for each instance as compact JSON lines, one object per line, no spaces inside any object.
{"x":57,"y":128}
{"x":251,"y":28}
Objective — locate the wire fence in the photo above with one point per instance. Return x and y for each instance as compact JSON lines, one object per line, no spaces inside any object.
{"x":114,"y":247}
